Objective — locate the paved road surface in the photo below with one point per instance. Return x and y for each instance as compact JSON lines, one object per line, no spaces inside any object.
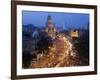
{"x":60,"y":55}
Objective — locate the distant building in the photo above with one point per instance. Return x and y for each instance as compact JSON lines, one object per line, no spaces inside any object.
{"x":74,"y":33}
{"x":50,"y":28}
{"x":64,"y":27}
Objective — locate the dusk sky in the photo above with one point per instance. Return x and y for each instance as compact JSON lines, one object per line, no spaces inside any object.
{"x":68,"y":19}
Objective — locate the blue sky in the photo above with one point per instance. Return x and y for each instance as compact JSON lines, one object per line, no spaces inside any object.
{"x":68,"y":19}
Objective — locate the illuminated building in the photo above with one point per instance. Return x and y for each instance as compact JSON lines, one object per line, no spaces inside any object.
{"x":50,"y":28}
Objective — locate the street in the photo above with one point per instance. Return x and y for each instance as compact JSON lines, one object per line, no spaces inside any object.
{"x":60,"y":55}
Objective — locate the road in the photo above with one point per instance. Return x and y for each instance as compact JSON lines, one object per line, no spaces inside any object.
{"x":60,"y":55}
